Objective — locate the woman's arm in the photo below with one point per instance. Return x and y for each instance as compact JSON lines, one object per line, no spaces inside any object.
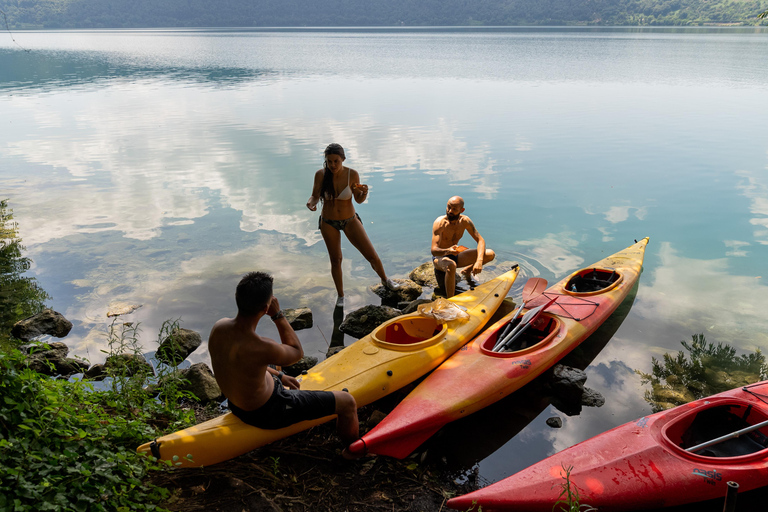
{"x":359,"y":190}
{"x":315,"y":197}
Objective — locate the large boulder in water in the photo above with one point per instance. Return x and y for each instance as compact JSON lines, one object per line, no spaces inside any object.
{"x":177,"y":346}
{"x":360,"y":323}
{"x":46,"y":322}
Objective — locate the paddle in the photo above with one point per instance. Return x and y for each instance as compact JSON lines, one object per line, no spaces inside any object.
{"x":732,"y":435}
{"x":532,"y":289}
{"x":526,"y":322}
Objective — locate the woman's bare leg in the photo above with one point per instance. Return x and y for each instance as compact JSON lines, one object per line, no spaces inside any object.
{"x":359,"y":239}
{"x":332,"y":239}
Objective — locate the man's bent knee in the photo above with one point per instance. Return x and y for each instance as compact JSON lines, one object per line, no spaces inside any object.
{"x":489,"y":255}
{"x":345,"y":403}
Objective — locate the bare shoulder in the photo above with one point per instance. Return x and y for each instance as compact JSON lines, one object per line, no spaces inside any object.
{"x":439,"y":222}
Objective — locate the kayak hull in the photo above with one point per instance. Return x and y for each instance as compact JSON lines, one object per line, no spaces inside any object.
{"x":476,"y":376}
{"x":644,"y":464}
{"x":395,"y":354}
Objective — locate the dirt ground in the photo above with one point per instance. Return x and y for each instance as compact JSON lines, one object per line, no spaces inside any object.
{"x":306,"y":472}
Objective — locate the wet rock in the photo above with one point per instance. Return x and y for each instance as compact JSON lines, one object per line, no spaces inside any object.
{"x":128,"y":365}
{"x":407,"y":292}
{"x":567,"y":387}
{"x":96,"y":372}
{"x":177,"y":346}
{"x":299,"y":318}
{"x":424,"y":275}
{"x":360,"y":323}
{"x":555,"y":422}
{"x":201,"y":383}
{"x":591,"y":398}
{"x":303,"y":364}
{"x":677,"y":396}
{"x":333,"y":350}
{"x":46,"y":322}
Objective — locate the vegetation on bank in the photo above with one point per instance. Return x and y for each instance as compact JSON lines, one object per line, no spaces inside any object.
{"x":340,"y":13}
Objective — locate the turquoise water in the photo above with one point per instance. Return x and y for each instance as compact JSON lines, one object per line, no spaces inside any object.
{"x":156,"y":167}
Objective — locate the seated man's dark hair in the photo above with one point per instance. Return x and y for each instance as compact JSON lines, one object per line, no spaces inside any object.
{"x":254,"y":291}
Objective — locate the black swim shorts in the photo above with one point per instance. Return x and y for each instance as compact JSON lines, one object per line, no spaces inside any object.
{"x":288,"y":406}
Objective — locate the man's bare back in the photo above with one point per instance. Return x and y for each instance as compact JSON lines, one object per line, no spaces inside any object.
{"x":240,"y":359}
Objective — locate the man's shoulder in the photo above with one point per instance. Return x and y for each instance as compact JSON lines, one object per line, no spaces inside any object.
{"x":440,"y":221}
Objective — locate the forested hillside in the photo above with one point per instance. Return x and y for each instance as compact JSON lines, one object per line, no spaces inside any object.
{"x":319,"y":13}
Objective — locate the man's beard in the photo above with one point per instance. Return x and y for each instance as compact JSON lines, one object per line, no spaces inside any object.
{"x":452,"y":217}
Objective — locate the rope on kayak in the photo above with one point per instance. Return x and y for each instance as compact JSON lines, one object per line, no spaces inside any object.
{"x":568,"y":300}
{"x":760,"y":396}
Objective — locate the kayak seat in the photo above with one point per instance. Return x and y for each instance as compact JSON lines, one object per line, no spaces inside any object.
{"x":398,"y":334}
{"x":532,"y":336}
{"x":592,"y":280}
{"x":720,"y":421}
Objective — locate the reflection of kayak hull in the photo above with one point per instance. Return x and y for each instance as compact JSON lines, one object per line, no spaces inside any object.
{"x":395,"y":354}
{"x":643,"y":464}
{"x":475,"y":376}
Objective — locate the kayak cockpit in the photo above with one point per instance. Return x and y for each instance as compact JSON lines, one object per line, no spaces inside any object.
{"x":720,"y":422}
{"x":592,"y":280}
{"x":540,"y":332}
{"x":409,"y":332}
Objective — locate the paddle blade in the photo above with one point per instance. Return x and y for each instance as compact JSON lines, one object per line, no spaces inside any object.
{"x":533,"y":288}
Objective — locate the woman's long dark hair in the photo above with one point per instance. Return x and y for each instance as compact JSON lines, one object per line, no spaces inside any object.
{"x":326,"y":189}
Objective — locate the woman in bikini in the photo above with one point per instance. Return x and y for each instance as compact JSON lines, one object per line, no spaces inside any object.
{"x":336,"y":186}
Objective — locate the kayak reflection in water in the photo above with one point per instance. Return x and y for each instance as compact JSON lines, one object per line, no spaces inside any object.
{"x":447,"y":256}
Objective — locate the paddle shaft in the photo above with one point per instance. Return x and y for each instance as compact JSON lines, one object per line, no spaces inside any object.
{"x":726,"y":437}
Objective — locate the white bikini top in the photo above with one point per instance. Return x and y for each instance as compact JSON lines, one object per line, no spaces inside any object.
{"x":346,"y":194}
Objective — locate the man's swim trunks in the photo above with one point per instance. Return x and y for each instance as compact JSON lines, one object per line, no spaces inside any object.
{"x":288,"y":406}
{"x":339,"y":225}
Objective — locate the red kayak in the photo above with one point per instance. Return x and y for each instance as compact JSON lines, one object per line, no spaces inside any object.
{"x":509,"y":354}
{"x":682,"y":455}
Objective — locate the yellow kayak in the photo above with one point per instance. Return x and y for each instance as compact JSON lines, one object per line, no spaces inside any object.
{"x":395,"y":354}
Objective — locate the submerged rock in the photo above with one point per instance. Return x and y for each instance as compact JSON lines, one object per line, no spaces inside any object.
{"x":47,"y":321}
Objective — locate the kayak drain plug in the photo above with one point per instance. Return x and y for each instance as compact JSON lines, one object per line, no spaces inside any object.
{"x":389,"y":373}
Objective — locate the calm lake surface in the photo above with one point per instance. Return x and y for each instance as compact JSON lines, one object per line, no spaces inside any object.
{"x":156,"y":167}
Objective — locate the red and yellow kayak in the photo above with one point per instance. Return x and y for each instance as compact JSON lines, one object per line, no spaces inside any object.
{"x":477,"y":376}
{"x":395,"y":354}
{"x":650,"y":463}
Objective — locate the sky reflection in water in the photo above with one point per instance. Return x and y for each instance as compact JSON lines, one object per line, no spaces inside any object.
{"x":155,"y":168}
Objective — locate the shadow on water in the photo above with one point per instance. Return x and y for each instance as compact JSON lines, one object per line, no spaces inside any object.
{"x":337,"y":337}
{"x":503,"y":420}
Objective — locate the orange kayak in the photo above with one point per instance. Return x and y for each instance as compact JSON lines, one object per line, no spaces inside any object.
{"x":476,"y":376}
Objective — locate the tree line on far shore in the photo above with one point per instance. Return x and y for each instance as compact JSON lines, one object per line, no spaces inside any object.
{"x":20,"y":14}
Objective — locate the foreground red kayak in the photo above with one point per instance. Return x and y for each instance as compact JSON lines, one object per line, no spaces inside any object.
{"x":678,"y":456}
{"x":510,"y":354}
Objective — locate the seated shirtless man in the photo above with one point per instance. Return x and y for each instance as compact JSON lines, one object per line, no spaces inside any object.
{"x":447,"y":256}
{"x":259,"y":395}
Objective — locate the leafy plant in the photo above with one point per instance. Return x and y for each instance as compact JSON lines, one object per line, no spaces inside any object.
{"x":569,"y":499}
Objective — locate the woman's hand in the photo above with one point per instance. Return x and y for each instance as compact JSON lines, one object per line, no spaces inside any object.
{"x":312,"y":203}
{"x":360,"y":190}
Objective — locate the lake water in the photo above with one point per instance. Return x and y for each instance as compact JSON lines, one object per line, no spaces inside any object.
{"x":156,"y":167}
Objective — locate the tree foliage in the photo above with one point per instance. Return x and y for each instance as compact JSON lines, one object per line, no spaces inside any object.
{"x":334,"y":13}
